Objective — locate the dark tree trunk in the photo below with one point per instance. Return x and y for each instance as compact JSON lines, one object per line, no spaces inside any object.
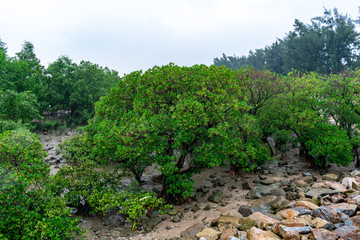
{"x":357,"y":163}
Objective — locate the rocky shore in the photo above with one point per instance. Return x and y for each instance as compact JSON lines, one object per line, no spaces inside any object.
{"x":283,"y":200}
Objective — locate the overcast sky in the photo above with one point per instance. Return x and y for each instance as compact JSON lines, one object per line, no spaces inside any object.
{"x":138,"y":34}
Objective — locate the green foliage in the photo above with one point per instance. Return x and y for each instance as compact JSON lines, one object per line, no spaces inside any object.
{"x":64,"y":85}
{"x":304,"y":110}
{"x":328,"y":143}
{"x":93,"y":188}
{"x":21,"y":151}
{"x":174,"y":117}
{"x":19,"y":108}
{"x":282,"y":140}
{"x":28,"y":210}
{"x":134,"y":204}
{"x":77,"y":87}
{"x":330,"y":44}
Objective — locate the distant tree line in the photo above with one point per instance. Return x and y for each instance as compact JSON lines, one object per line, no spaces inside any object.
{"x":329,"y":44}
{"x":28,"y":89}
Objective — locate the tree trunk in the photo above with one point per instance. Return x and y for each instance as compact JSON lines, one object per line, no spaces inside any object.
{"x":357,"y":163}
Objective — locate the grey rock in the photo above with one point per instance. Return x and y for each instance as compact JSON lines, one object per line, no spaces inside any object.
{"x":151,"y":223}
{"x":207,"y":207}
{"x":191,"y":231}
{"x":258,"y":191}
{"x":176,"y":219}
{"x":216,"y":197}
{"x":326,"y":213}
{"x":247,"y":210}
{"x":348,"y":209}
{"x":355,"y":173}
{"x":195,"y":208}
{"x":279,"y":202}
{"x":301,"y":230}
{"x":344,"y":230}
{"x":303,"y":210}
{"x":320,"y":191}
{"x":278,"y":192}
{"x":247,"y":186}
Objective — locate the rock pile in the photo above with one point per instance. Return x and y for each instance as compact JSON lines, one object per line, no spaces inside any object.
{"x":301,"y":208}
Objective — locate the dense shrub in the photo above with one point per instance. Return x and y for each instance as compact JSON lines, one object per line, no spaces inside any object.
{"x":28,"y":209}
{"x":92,"y":187}
{"x":183,"y":119}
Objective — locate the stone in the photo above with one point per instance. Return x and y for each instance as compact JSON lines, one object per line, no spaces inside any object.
{"x":198,"y":197}
{"x":242,"y":235}
{"x":326,"y":213}
{"x":279,"y":202}
{"x":336,"y":186}
{"x":291,"y":195}
{"x":258,"y":191}
{"x":307,"y":174}
{"x":304,"y":219}
{"x":258,"y":234}
{"x":322,"y":234}
{"x":348,"y":209}
{"x":300,"y":183}
{"x":337,"y":198}
{"x":207,"y":207}
{"x":321,"y":223}
{"x":309,"y":180}
{"x":277,"y":192}
{"x":344,"y":230}
{"x":351,"y":236}
{"x":208,"y":234}
{"x":263,"y":221}
{"x":355,"y":173}
{"x":151,"y":223}
{"x":263,"y":202}
{"x":192,"y":231}
{"x":195,"y":208}
{"x":221,"y":183}
{"x":303,"y":210}
{"x":225,"y":221}
{"x":302,"y":230}
{"x":306,"y":204}
{"x":267,"y":181}
{"x":356,"y":221}
{"x":247,"y":185}
{"x":330,"y":177}
{"x":176,"y":219}
{"x":355,"y":185}
{"x":318,"y":185}
{"x":287,"y":223}
{"x":216,"y":197}
{"x":228,"y":233}
{"x":320,"y":191}
{"x":246,"y":223}
{"x":234,"y":213}
{"x":291,"y":235}
{"x":291,"y":171}
{"x":348,"y":182}
{"x":126,"y":232}
{"x":248,"y":210}
{"x":288,"y":213}
{"x":263,"y":177}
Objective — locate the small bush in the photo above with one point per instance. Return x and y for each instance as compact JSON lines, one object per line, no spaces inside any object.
{"x":28,"y":209}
